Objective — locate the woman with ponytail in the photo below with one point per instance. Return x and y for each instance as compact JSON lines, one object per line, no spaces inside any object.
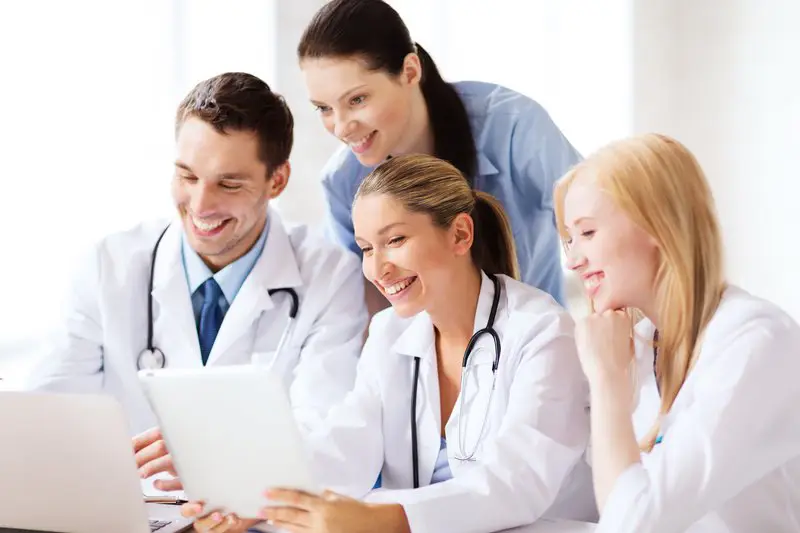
{"x":694,"y":411}
{"x":501,"y":448}
{"x":381,"y":94}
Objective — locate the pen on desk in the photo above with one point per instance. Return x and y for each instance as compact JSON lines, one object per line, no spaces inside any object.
{"x":170,"y":500}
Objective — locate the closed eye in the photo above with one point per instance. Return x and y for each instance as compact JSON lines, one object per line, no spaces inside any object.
{"x":230,"y":186}
{"x":586,"y":234}
{"x":366,"y":250}
{"x":397,"y":240}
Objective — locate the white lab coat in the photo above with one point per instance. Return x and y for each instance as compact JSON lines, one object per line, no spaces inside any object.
{"x":105,"y":322}
{"x":537,"y":431}
{"x":729,"y":461}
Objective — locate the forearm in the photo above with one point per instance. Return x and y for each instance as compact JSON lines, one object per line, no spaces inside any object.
{"x":614,"y":446}
{"x":392,"y":518}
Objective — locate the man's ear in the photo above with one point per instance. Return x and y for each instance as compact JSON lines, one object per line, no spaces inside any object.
{"x":463,"y":232}
{"x":279,"y":179}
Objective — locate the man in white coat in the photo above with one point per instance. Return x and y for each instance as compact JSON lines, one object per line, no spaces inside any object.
{"x":205,"y":294}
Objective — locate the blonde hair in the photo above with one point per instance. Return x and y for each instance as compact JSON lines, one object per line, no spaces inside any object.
{"x":659,"y":184}
{"x":425,"y":184}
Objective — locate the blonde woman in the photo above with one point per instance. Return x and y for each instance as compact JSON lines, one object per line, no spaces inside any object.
{"x":711,"y":373}
{"x":480,"y":445}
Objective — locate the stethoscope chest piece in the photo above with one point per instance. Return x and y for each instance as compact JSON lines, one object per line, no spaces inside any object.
{"x":151,"y":359}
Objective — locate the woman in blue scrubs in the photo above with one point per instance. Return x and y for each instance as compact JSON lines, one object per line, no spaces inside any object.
{"x":381,"y":94}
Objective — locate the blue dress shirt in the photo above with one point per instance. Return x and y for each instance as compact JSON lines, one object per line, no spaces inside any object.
{"x":230,"y":278}
{"x":521,"y":153}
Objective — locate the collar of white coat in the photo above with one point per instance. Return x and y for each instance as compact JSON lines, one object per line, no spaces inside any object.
{"x":418,"y":339}
{"x":276,"y":267}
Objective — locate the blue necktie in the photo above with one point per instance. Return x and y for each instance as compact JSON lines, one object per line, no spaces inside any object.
{"x":210,"y":317}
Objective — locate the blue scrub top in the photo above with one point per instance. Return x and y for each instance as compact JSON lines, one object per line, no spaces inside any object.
{"x":521,"y":154}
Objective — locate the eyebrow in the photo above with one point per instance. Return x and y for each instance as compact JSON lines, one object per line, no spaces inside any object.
{"x":581,"y":219}
{"x":223,"y":176}
{"x":384,"y":229}
{"x":344,"y":95}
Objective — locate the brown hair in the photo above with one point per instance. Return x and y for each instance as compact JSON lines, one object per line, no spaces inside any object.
{"x":372,"y":31}
{"x":426,"y":184}
{"x":237,"y":101}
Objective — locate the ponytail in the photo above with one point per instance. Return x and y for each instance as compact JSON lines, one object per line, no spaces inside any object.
{"x":452,"y":131}
{"x":493,"y":248}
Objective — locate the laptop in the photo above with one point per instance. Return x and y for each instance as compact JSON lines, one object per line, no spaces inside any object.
{"x":66,"y":465}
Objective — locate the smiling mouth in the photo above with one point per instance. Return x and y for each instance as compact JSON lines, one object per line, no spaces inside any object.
{"x":363,"y":144}
{"x":208,"y":228}
{"x":398,"y":289}
{"x":592,"y":282}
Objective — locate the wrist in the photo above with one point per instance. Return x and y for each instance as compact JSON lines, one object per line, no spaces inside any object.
{"x":615,"y":388}
{"x":392,"y":518}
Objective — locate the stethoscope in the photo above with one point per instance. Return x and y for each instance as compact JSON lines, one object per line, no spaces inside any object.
{"x":462,"y":427}
{"x":152,"y":357}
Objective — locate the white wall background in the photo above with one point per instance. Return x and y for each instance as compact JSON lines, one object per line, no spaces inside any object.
{"x":723,"y":76}
{"x":89,"y":93}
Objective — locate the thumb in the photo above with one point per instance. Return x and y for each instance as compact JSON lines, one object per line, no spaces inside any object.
{"x":191,"y":509}
{"x":168,"y":484}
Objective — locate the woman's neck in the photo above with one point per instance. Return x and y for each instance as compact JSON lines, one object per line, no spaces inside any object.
{"x":418,"y":138}
{"x":650,"y":310}
{"x":453,"y":314}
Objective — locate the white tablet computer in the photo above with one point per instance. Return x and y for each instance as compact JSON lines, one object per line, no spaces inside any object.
{"x":231,"y":433}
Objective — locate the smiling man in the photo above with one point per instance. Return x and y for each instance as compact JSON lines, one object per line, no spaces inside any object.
{"x":216,"y":285}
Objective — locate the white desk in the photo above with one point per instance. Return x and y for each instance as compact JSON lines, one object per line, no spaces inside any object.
{"x":542,"y":526}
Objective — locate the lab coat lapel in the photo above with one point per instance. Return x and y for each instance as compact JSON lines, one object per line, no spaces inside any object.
{"x":418,"y":341}
{"x":276,"y":268}
{"x":476,"y":378}
{"x":174,"y":328}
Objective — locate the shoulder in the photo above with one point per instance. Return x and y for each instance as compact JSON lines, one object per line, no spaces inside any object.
{"x":319,"y":259}
{"x":118,"y":258}
{"x":133,"y":243}
{"x":745,"y":332}
{"x":747,"y":320}
{"x":343,"y":169}
{"x":491,"y":106}
{"x":386,"y":326}
{"x":534,"y":313}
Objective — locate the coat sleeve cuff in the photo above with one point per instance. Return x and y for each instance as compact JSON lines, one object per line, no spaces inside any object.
{"x":624,"y":499}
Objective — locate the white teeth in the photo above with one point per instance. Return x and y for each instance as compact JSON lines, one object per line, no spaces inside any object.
{"x":397,"y":287}
{"x":592,"y":282}
{"x":206,"y":226}
{"x":362,"y":142}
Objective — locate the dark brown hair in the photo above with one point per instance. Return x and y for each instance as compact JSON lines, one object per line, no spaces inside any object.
{"x":237,"y":101}
{"x":372,"y":31}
